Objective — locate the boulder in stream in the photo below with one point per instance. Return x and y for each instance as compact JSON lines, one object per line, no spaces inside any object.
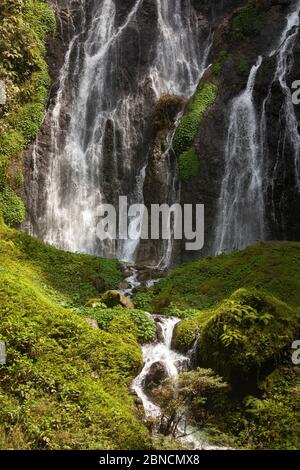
{"x":113,"y":298}
{"x":157,"y":373}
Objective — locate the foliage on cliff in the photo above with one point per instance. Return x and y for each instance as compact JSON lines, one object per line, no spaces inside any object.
{"x":65,"y":383}
{"x":24,"y":25}
{"x":188,"y":128}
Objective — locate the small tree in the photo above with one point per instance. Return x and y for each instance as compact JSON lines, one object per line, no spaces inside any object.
{"x":184,"y":398}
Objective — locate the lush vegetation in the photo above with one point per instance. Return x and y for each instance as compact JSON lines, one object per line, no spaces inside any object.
{"x":248,"y":21}
{"x":273,"y":267}
{"x":247,"y":334}
{"x":121,"y":320}
{"x":188,"y":396}
{"x":24,"y":25}
{"x":243,"y":309}
{"x":244,"y":68}
{"x":69,"y":278}
{"x":189,"y":125}
{"x":65,"y":384}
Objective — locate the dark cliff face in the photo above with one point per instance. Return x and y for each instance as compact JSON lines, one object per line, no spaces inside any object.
{"x":282,"y":197}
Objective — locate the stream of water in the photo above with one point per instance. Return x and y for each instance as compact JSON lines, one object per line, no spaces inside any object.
{"x":160,"y":352}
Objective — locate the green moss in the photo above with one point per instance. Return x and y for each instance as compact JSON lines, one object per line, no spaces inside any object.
{"x":115,"y":319}
{"x":188,"y":164}
{"x":184,"y":335}
{"x":189,"y":124}
{"x":271,"y":422}
{"x":23,"y":67}
{"x":70,"y":278}
{"x":12,"y":207}
{"x":11,"y":143}
{"x":189,"y":328}
{"x":247,"y":332}
{"x":65,"y":384}
{"x":248,"y":22}
{"x":217,"y":67}
{"x":29,"y":120}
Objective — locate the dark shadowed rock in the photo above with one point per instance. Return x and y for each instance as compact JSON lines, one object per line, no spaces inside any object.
{"x":156,"y":375}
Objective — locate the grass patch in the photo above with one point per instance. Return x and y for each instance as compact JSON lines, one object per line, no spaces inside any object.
{"x":273,"y":267}
{"x":69,"y":278}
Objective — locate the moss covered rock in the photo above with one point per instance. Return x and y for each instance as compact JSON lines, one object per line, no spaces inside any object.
{"x":184,"y":335}
{"x":189,"y":124}
{"x":248,"y":334}
{"x":113,"y":298}
{"x":24,"y":26}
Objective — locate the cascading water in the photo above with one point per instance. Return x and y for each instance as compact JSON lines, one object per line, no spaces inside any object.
{"x":173,"y":362}
{"x":287,"y":118}
{"x":178,"y":63}
{"x":97,"y":122}
{"x":240,"y":213}
{"x":241,"y":217}
{"x":159,"y":352}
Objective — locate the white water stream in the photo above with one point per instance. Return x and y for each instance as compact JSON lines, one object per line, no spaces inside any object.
{"x":160,"y":351}
{"x":241,"y":206}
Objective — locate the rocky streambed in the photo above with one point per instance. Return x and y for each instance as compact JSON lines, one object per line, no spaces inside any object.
{"x":161,"y":362}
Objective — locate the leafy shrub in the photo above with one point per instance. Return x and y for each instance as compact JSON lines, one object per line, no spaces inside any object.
{"x":144,"y":327}
{"x":29,"y":120}
{"x":23,"y":29}
{"x":188,"y":395}
{"x":246,"y":332}
{"x":142,"y":299}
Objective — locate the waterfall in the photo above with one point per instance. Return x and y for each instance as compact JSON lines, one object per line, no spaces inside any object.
{"x":241,"y":218}
{"x":98,"y":122}
{"x":177,"y":69}
{"x":287,"y":117}
{"x":240,"y":212}
{"x":178,"y":63}
{"x":161,"y":352}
